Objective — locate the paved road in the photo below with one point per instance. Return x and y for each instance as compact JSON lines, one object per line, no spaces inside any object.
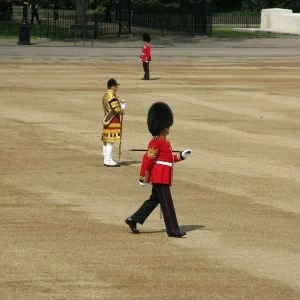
{"x":163,"y":48}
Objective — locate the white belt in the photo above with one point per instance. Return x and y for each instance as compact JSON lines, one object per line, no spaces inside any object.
{"x":165,"y":163}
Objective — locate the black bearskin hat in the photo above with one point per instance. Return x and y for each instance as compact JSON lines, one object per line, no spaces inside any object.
{"x":146,"y":37}
{"x":160,"y":116}
{"x":112,"y":82}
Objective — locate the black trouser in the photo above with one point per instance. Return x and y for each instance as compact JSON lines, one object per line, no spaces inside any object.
{"x":36,"y":15}
{"x":160,"y":194}
{"x":146,"y":70}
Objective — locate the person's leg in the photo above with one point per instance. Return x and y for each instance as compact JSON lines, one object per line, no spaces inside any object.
{"x":105,"y":156}
{"x":146,"y":209}
{"x":163,"y":193}
{"x":110,"y":161}
{"x":37,"y":18}
{"x":143,"y":212}
{"x":146,"y":70}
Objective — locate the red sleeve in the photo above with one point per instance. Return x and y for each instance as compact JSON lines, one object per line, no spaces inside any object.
{"x":176,"y":158}
{"x":148,"y":160}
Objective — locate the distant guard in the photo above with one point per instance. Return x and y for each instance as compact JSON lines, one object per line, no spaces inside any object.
{"x":146,"y":56}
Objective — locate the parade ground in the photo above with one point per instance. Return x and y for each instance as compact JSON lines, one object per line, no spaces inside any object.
{"x":236,"y":104}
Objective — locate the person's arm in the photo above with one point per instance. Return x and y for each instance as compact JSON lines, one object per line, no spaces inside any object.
{"x":114,"y":105}
{"x":148,"y":161}
{"x":182,"y":155}
{"x":149,"y":53}
{"x":144,"y":52}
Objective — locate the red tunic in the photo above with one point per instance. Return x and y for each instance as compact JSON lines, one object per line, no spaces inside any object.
{"x":146,"y":53}
{"x":157,"y":164}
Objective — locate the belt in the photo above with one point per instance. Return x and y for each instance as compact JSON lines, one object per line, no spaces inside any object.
{"x":165,"y":163}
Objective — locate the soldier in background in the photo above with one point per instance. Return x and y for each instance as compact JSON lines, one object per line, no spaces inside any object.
{"x":114,"y":109}
{"x":34,"y":12}
{"x":146,"y":56}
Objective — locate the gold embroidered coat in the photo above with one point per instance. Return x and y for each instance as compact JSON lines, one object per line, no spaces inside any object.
{"x":112,"y":127}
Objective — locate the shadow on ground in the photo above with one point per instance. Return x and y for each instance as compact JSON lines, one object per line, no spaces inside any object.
{"x":130,"y":162}
{"x":188,"y":228}
{"x":185,"y":228}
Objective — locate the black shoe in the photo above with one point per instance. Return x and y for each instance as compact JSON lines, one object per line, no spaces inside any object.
{"x":113,"y":166}
{"x":132,"y":225}
{"x":177,"y":234}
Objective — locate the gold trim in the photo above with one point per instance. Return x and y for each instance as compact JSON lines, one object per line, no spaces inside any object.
{"x":147,"y":175}
{"x":111,"y":130}
{"x":152,"y":153}
{"x":114,"y":125}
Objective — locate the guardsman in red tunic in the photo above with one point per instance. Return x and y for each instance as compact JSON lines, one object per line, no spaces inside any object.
{"x":114,"y":109}
{"x":146,"y":56}
{"x":157,"y":168}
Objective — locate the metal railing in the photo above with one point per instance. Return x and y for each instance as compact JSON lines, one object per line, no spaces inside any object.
{"x":156,"y":24}
{"x":96,"y":25}
{"x":243,"y":20}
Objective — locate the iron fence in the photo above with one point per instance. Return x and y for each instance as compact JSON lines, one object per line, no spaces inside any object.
{"x":65,"y":25}
{"x":243,"y":20}
{"x":156,"y":24}
{"x":6,"y":16}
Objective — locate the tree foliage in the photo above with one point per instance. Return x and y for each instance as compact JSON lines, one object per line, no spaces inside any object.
{"x":261,"y":4}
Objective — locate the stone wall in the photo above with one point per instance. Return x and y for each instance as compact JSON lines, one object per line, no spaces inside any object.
{"x":280,"y":20}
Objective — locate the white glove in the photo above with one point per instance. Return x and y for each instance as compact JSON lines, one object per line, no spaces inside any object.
{"x":123,"y":105}
{"x":186,"y":153}
{"x":142,"y":183}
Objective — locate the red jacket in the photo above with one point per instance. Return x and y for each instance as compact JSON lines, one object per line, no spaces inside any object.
{"x":146,"y":53}
{"x":158,"y":161}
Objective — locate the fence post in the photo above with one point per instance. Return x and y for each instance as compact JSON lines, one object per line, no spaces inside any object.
{"x":193,"y":24}
{"x":120,"y":17}
{"x":40,"y":28}
{"x":48,"y":26}
{"x":96,"y":24}
{"x":163,"y":24}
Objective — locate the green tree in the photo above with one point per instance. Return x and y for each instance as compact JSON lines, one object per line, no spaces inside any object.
{"x":261,"y":4}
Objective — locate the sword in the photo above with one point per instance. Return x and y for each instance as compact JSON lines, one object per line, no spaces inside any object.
{"x":120,"y":144}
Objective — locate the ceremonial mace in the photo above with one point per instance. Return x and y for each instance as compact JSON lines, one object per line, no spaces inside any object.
{"x":120,"y":144}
